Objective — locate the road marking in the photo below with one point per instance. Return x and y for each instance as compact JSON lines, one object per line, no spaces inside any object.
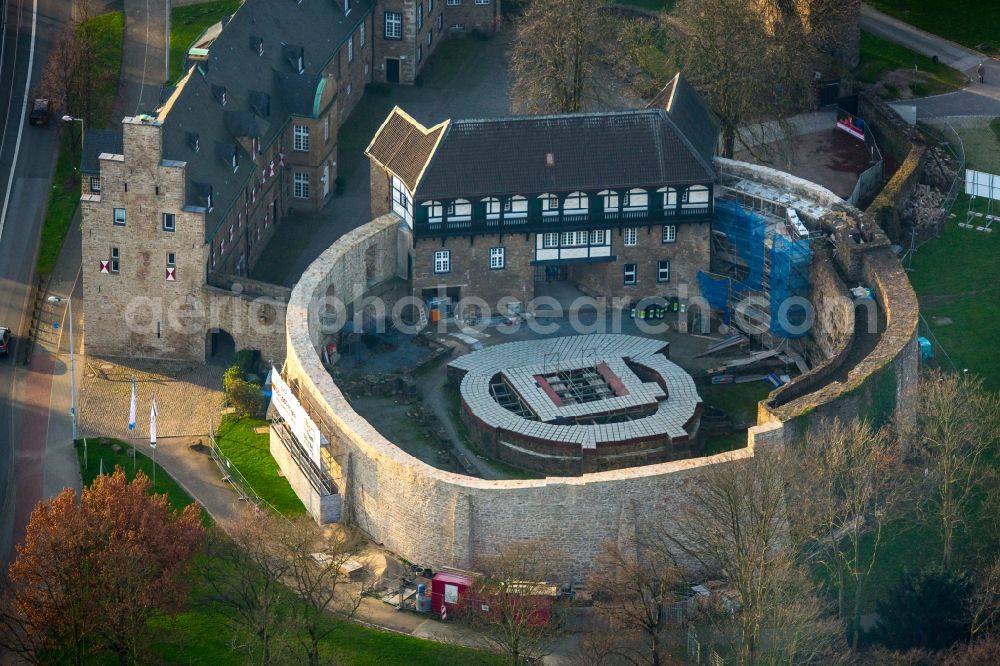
{"x":13,"y":69}
{"x":24,"y":108}
{"x":145,"y":58}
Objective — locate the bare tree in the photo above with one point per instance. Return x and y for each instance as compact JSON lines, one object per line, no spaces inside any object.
{"x":326,"y":595}
{"x":736,"y":527}
{"x":848,"y":486}
{"x":749,"y":61}
{"x":632,"y":586}
{"x":958,"y":428}
{"x":556,"y":49}
{"x":243,"y":573}
{"x":504,"y":605}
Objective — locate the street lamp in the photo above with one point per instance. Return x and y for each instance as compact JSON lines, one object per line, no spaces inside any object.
{"x":72,"y":119}
{"x":72,"y":358}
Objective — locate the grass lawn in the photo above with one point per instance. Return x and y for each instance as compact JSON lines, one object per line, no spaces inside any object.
{"x":968,"y":22}
{"x":97,"y":453}
{"x":64,"y":197}
{"x":957,"y":277}
{"x":187,"y":23}
{"x":738,"y":400}
{"x":250,"y":453}
{"x":880,"y":57}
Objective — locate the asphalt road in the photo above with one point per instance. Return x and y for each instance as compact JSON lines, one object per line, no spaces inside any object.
{"x":27,"y":158}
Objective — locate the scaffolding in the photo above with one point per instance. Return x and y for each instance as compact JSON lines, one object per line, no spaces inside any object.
{"x":758,"y":265}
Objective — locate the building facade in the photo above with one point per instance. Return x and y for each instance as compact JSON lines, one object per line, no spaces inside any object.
{"x":202,"y":183}
{"x":617,"y":204}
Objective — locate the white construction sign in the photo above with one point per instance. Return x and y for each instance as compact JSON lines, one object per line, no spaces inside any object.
{"x":980,"y":184}
{"x":295,"y":415}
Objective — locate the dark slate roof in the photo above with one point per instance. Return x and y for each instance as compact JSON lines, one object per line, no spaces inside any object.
{"x":537,"y":154}
{"x":316,"y":28}
{"x":404,"y":146}
{"x":95,"y":142}
{"x":688,"y":111}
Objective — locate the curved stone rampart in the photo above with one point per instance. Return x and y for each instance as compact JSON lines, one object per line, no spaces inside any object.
{"x":438,"y":518}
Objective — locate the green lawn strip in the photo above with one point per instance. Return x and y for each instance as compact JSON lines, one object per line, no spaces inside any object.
{"x":879,"y":57}
{"x":186,"y":25}
{"x":652,"y":5}
{"x":250,"y":453}
{"x":995,"y":126}
{"x":968,"y":22}
{"x":102,"y":450}
{"x":738,"y":400}
{"x":64,"y":197}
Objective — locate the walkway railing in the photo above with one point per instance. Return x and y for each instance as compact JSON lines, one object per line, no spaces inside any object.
{"x":232,"y":475}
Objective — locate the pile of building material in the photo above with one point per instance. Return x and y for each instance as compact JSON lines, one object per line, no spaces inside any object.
{"x":925,"y":208}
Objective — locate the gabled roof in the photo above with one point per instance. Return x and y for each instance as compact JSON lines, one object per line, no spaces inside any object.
{"x":688,"y":111}
{"x":314,"y":28}
{"x":404,"y":147}
{"x":561,"y":153}
{"x":96,"y":142}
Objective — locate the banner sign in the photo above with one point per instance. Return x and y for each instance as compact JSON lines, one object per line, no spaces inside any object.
{"x":294,"y":414}
{"x":851,"y":124}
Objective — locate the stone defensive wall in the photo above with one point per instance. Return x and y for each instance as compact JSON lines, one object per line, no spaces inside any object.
{"x":438,"y":518}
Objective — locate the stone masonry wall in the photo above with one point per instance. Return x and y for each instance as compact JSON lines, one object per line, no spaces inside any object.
{"x":440,"y":518}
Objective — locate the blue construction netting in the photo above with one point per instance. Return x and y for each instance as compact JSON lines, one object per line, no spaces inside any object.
{"x":788,"y":275}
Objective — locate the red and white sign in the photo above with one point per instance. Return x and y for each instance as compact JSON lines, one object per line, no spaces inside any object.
{"x":171,"y":274}
{"x":105,"y":266}
{"x":444,"y":612}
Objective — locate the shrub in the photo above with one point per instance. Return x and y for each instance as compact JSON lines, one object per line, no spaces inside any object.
{"x":927,"y":609}
{"x":245,"y":398}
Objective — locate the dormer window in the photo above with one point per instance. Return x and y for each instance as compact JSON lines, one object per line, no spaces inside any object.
{"x":193,"y":141}
{"x":295,"y":56}
{"x":220,"y":94}
{"x":347,"y":7}
{"x":260,"y":47}
{"x":235,"y":161}
{"x":302,"y":66}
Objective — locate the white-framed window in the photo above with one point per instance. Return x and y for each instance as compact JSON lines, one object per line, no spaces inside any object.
{"x":430,"y":37}
{"x":326,"y":129}
{"x":496,"y":258}
{"x":420,"y":16}
{"x":574,"y":238}
{"x":119,"y":217}
{"x":629,"y":235}
{"x":393,"y":25}
{"x":550,"y":204}
{"x":669,"y":233}
{"x":361,"y":35}
{"x":169,"y":222}
{"x":95,"y":184}
{"x":440,"y":22}
{"x":663,"y":270}
{"x":400,"y":198}
{"x":669,"y":197}
{"x":171,"y":259}
{"x":347,"y":7}
{"x":635,"y":199}
{"x":442,"y":261}
{"x":114,"y":260}
{"x":576,"y":203}
{"x":597,"y":237}
{"x":516,"y":206}
{"x":301,"y":185}
{"x":420,"y":52}
{"x":610,"y":200}
{"x":630,"y":274}
{"x":435,"y":210}
{"x":454,"y":3}
{"x":696,"y":196}
{"x":493,"y":208}
{"x":430,"y":7}
{"x":350,"y":87}
{"x":482,"y":2}
{"x":300,"y":137}
{"x":459,"y":210}
{"x":550,"y":240}
{"x":350,"y":49}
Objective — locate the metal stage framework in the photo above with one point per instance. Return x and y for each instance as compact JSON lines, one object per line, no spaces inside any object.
{"x":980,"y":185}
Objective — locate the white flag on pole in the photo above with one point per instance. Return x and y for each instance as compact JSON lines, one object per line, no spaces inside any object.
{"x":131,"y":409}
{"x":152,"y":424}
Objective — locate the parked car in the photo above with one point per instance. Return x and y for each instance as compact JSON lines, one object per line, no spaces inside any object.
{"x":40,"y":112}
{"x":4,"y":341}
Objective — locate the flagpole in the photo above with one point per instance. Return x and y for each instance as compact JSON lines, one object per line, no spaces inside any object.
{"x":152,"y":437}
{"x":131,"y":427}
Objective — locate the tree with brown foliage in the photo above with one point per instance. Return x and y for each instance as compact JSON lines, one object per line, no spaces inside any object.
{"x":557,"y":46}
{"x":958,"y":429}
{"x":90,"y":574}
{"x":848,"y":485}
